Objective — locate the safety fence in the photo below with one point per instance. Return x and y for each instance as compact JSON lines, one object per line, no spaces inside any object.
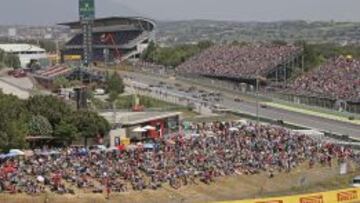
{"x":350,"y":195}
{"x":248,"y":88}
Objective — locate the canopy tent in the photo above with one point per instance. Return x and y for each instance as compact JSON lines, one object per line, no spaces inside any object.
{"x":149,"y":127}
{"x":234,"y":129}
{"x":139,"y":130}
{"x":112,"y":149}
{"x":48,"y":153}
{"x":149,"y":146}
{"x":12,"y":153}
{"x":131,"y":147}
{"x":16,"y":152}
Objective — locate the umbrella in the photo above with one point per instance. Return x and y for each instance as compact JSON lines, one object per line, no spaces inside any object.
{"x":40,"y":179}
{"x":9,"y":169}
{"x":9,"y":155}
{"x":131,"y":147}
{"x":29,"y":153}
{"x":112,"y":149}
{"x":195,"y":135}
{"x":139,"y":130}
{"x":149,"y":127}
{"x":149,"y":146}
{"x":121,"y":147}
{"x":16,"y":152}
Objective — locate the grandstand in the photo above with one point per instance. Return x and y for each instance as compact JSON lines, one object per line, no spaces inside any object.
{"x":245,"y":63}
{"x":114,"y":38}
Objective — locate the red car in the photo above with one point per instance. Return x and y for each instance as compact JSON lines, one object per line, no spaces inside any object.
{"x":18,"y":73}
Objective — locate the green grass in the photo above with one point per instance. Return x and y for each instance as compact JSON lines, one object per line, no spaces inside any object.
{"x":315,"y":111}
{"x":334,"y":183}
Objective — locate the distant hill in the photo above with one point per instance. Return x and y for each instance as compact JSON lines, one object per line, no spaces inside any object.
{"x":196,"y":30}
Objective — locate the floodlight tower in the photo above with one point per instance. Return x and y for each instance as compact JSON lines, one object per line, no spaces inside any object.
{"x":87,"y":15}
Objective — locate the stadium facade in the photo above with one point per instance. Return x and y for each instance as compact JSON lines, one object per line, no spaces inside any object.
{"x":114,"y":39}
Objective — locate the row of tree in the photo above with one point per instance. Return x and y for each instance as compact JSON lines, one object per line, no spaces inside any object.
{"x":9,"y":60}
{"x":315,"y":54}
{"x":173,"y":56}
{"x":45,"y":116}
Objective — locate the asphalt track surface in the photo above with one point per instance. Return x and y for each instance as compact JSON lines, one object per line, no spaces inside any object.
{"x":309,"y":121}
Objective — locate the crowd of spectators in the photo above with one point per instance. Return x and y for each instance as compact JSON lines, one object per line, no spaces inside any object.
{"x":235,"y":61}
{"x":199,"y":154}
{"x":338,"y":78}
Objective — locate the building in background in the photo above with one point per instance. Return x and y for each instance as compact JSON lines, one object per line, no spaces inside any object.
{"x":139,"y":126}
{"x":12,"y":32}
{"x":25,"y":52}
{"x":113,"y":38}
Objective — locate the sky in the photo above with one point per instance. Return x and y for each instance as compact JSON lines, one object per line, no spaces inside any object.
{"x":49,"y":12}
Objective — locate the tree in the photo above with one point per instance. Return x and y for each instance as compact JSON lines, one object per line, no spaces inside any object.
{"x":89,"y":124}
{"x":205,"y":44}
{"x":150,"y":50}
{"x":39,"y":126}
{"x":50,"y":107}
{"x":13,"y":129}
{"x":173,"y":56}
{"x":66,"y":131}
{"x":12,"y":60}
{"x":61,"y":82}
{"x":13,"y":135}
{"x":9,"y":60}
{"x":115,"y":84}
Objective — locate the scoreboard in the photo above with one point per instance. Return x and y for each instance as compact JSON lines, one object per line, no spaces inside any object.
{"x":87,"y":9}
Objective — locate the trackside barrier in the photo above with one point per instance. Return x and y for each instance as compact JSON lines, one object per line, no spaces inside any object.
{"x":350,"y":195}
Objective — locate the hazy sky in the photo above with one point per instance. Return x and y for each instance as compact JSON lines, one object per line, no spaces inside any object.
{"x":53,"y":11}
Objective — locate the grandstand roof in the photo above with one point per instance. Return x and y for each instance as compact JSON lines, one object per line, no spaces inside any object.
{"x":135,"y":118}
{"x":114,"y":20}
{"x":53,"y":72}
{"x":20,"y":48}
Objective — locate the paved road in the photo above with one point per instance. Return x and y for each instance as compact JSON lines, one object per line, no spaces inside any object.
{"x":310,"y":121}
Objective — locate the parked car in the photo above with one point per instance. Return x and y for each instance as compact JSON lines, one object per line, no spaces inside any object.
{"x":237,"y":99}
{"x":19,"y":73}
{"x":356,"y":182}
{"x":99,"y":91}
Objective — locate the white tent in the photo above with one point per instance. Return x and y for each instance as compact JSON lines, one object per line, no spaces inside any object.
{"x":233,"y":129}
{"x":149,"y":127}
{"x":139,"y":130}
{"x":16,"y":152}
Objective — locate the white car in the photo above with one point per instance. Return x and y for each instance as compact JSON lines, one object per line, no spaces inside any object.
{"x":356,"y":182}
{"x":99,"y":91}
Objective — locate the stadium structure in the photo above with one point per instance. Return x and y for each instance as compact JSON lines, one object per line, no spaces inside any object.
{"x":114,"y":39}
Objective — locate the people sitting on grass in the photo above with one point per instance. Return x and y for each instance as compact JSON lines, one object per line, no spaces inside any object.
{"x":199,"y":155}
